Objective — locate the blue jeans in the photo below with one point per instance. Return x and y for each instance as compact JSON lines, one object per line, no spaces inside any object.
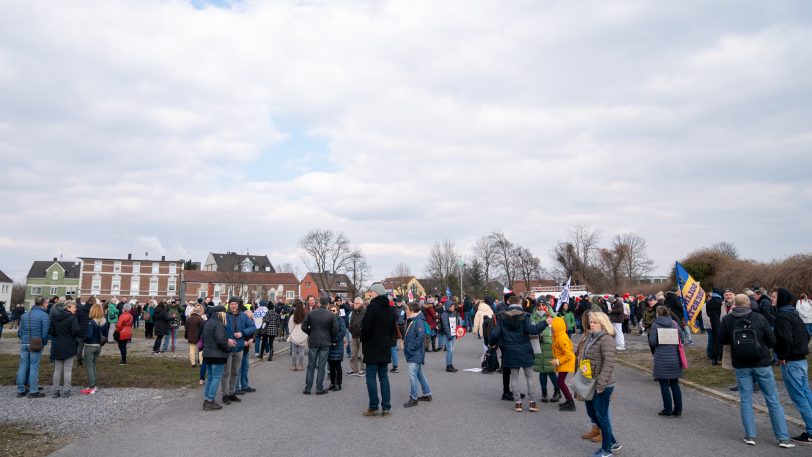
{"x":258,"y":340}
{"x":167,"y":337}
{"x":669,"y":387}
{"x":28,"y":373}
{"x":469,"y":320}
{"x":765,"y":379}
{"x":449,"y":355}
{"x":316,"y":358}
{"x":416,"y":375}
{"x":242,"y":382}
{"x":598,"y":411}
{"x":441,"y":340}
{"x":809,"y":329}
{"x":796,"y":380}
{"x":204,"y":369}
{"x":543,"y":377}
{"x":349,"y":343}
{"x":710,"y":351}
{"x":395,"y":356}
{"x":378,"y":370}
{"x":214,"y":373}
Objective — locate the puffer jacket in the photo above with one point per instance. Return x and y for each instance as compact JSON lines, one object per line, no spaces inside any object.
{"x":413,"y":348}
{"x":601,"y":355}
{"x":215,"y":342}
{"x":562,"y":347}
{"x":64,"y":330}
{"x":512,"y":335}
{"x":542,"y":359}
{"x":616,"y":314}
{"x":124,"y":327}
{"x":34,"y":324}
{"x":483,"y":310}
{"x":666,"y":356}
{"x":337,"y":348}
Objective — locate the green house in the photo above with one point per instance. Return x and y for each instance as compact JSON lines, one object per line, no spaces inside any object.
{"x":51,"y":278}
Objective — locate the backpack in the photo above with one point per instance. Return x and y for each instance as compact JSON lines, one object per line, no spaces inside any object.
{"x":746,"y":345}
{"x":490,"y":362}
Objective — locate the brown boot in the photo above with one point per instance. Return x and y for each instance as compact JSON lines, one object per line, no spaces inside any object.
{"x":596,"y":431}
{"x":598,"y":438}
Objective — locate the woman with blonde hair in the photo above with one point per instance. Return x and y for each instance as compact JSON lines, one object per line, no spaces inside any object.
{"x":95,"y":338}
{"x":597,"y":361}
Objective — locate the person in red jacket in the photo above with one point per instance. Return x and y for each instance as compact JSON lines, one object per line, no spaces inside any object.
{"x":124,"y":329}
{"x":431,"y":319}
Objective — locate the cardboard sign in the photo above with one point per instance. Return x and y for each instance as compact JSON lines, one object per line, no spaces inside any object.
{"x":341,"y":312}
{"x":667,"y":336}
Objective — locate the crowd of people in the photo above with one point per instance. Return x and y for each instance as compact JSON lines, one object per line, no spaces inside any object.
{"x":578,"y":339}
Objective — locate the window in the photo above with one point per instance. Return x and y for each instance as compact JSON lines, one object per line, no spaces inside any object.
{"x":115,"y":285}
{"x":201,"y":294}
{"x":135,"y":283}
{"x":156,"y":268}
{"x":117,"y":267}
{"x":36,"y":290}
{"x":171,"y":285}
{"x":54,"y":275}
{"x":97,"y":266}
{"x":70,"y":290}
{"x":173,"y":269}
{"x":342,"y":284}
{"x":136,"y":267}
{"x":217,"y":292}
{"x":95,"y":286}
{"x":289,"y":295}
{"x":153,"y":285}
{"x":54,"y":290}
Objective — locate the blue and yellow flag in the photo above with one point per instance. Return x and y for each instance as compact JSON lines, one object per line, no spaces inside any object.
{"x":691,"y":295}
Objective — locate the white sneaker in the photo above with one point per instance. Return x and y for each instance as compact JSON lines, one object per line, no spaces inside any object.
{"x":786,"y":444}
{"x":749,"y":440}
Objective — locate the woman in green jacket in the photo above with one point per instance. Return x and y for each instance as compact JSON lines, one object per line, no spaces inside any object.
{"x":543,"y":358}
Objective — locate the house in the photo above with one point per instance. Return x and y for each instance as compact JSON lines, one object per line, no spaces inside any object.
{"x":231,"y":261}
{"x":333,"y":285}
{"x":5,"y":289}
{"x":250,"y":286}
{"x":401,"y":285}
{"x":139,"y":279}
{"x":51,"y":278}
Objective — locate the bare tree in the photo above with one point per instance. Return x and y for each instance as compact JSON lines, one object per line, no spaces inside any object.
{"x":725,"y":248}
{"x":485,"y":253}
{"x":442,"y":262}
{"x":636,"y":262}
{"x":568,"y":264}
{"x":505,"y":256}
{"x":610,"y":262}
{"x":327,"y":253}
{"x":359,"y":272}
{"x":401,"y":276}
{"x":585,"y":243}
{"x":528,"y":265}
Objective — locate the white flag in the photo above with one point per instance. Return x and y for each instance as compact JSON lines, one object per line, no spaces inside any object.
{"x":564,"y":296}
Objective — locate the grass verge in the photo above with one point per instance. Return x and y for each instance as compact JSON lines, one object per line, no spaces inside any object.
{"x":24,"y":440}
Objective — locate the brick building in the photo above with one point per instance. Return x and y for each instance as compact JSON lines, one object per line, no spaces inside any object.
{"x":141,"y":280}
{"x":250,"y":285}
{"x":335,"y":285}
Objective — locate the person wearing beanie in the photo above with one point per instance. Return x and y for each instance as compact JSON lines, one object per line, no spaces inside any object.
{"x":239,"y":327}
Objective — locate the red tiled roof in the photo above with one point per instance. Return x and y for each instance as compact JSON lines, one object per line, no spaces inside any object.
{"x":247,"y":277}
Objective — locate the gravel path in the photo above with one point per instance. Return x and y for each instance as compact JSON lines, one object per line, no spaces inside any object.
{"x":81,"y":415}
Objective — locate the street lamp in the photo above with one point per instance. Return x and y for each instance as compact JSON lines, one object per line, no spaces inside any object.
{"x":461,"y":264}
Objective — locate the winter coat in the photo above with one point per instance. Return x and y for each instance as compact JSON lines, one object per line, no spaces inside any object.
{"x":356,"y":317}
{"x":673,"y":303}
{"x":238,"y":323}
{"x":512,"y":335}
{"x":112,"y":313}
{"x":124,"y":327}
{"x":215,"y":342}
{"x":601,"y":353}
{"x":337,"y":348}
{"x":95,"y":330}
{"x":569,"y":319}
{"x":764,"y":334}
{"x":445,"y":323}
{"x":64,"y":328}
{"x":161,"y":320}
{"x":413,"y":348}
{"x":83,"y":317}
{"x":791,"y":337}
{"x":321,"y":327}
{"x":649,"y":314}
{"x":616,"y":314}
{"x":482,"y":311}
{"x":562,"y":347}
{"x":666,"y":356}
{"x":194,"y":328}
{"x":431,"y":317}
{"x":765,"y":307}
{"x":39,"y":323}
{"x":378,"y":331}
{"x":804,"y":308}
{"x":542,"y":359}
{"x":173,"y":314}
{"x":271,"y":323}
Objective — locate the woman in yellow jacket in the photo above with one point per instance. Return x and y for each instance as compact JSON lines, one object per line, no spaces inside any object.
{"x":564,"y":361}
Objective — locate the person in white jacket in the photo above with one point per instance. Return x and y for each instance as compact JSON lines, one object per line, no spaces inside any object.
{"x":804,"y":307}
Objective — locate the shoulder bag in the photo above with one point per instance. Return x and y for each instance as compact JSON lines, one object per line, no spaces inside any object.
{"x":34,"y":344}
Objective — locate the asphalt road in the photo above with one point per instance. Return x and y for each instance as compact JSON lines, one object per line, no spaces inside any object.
{"x":466,"y":418}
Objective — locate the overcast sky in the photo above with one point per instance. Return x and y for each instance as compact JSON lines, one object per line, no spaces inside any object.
{"x":179,"y":128}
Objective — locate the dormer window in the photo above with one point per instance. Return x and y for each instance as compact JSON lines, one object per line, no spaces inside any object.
{"x":54,"y":275}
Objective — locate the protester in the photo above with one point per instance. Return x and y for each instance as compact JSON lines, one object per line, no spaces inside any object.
{"x":124,"y":331}
{"x":83,"y":317}
{"x":243,"y":385}
{"x":356,"y":351}
{"x":449,"y":321}
{"x":564,"y":360}
{"x":377,"y":335}
{"x":269,"y":330}
{"x":543,"y":351}
{"x":95,"y":338}
{"x":173,"y":317}
{"x":616,"y":316}
{"x":238,"y":328}
{"x":216,"y":347}
{"x":64,"y":329}
{"x":298,"y":338}
{"x":415,"y":353}
{"x":667,"y":368}
{"x":260,"y":346}
{"x":804,"y":307}
{"x":482,"y":311}
{"x":193,"y":329}
{"x":598,"y":353}
{"x":512,"y":335}
{"x":431,"y":318}
{"x":569,"y":318}
{"x":112,"y":317}
{"x":336,"y":354}
{"x":34,"y":328}
{"x":321,"y":328}
{"x":149,"y":324}
{"x":750,"y":339}
{"x":791,"y":349}
{"x":161,"y":320}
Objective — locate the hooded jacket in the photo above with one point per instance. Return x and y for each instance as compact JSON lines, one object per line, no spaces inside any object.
{"x":64,"y":330}
{"x":431,"y":316}
{"x":791,"y":337}
{"x":512,"y":335}
{"x":666,"y":356}
{"x":124,"y":327}
{"x":542,"y":360}
{"x":445,"y":320}
{"x":378,"y":331}
{"x":562,"y":347}
{"x":482,"y":310}
{"x":413,"y":348}
{"x":764,"y":334}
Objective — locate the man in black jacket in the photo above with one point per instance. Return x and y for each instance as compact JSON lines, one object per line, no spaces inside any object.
{"x":321,"y":327}
{"x":377,"y":338}
{"x":750,"y":338}
{"x":791,"y":348}
{"x":83,"y":317}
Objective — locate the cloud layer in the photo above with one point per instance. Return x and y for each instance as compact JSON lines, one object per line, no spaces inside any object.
{"x":157,"y":126}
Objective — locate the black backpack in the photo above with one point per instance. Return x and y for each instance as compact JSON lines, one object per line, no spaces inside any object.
{"x":490,"y":361}
{"x":746,"y":345}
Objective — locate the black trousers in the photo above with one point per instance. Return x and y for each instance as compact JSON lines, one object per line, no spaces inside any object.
{"x":335,"y":372}
{"x":122,"y":348}
{"x":157,"y":346}
{"x":266,"y":341}
{"x":148,"y":327}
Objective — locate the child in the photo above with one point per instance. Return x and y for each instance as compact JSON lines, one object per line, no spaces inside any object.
{"x":564,"y":361}
{"x":415,"y":353}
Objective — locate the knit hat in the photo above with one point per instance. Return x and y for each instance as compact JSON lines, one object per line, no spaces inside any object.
{"x":377,"y":288}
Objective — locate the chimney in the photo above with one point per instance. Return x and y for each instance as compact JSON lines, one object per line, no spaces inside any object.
{"x":129,"y":256}
{"x":55,"y":259}
{"x":163,"y":258}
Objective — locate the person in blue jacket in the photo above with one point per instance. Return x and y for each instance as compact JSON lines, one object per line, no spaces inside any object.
{"x":239,"y":327}
{"x":336,"y":354}
{"x":415,"y":352}
{"x":33,"y":324}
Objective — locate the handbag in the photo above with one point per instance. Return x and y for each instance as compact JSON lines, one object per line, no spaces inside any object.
{"x":34,"y":344}
{"x":683,"y":361}
{"x":583,"y":387}
{"x":200,"y":343}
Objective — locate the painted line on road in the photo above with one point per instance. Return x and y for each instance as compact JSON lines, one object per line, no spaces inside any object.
{"x":257,"y":360}
{"x":713,"y":393}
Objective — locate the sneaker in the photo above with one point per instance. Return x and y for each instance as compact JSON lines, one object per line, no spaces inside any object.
{"x":385,"y":413}
{"x":616,"y":447}
{"x":424,"y":398}
{"x":361,"y":373}
{"x":803,"y":438}
{"x":370,"y":412}
{"x":394,"y":370}
{"x":55,"y":394}
{"x":749,"y":440}
{"x":201,"y":382}
{"x":249,"y":390}
{"x":66,"y":394}
{"x":544,"y":399}
{"x":22,"y":394}
{"x":786,"y":444}
{"x":410,"y":403}
{"x":517,"y":407}
{"x":306,"y":392}
{"x":234,"y":397}
{"x":226,"y":399}
{"x":351,"y":373}
{"x":321,"y":392}
{"x":600,"y":453}
{"x":665,"y":413}
{"x":532,"y":407}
